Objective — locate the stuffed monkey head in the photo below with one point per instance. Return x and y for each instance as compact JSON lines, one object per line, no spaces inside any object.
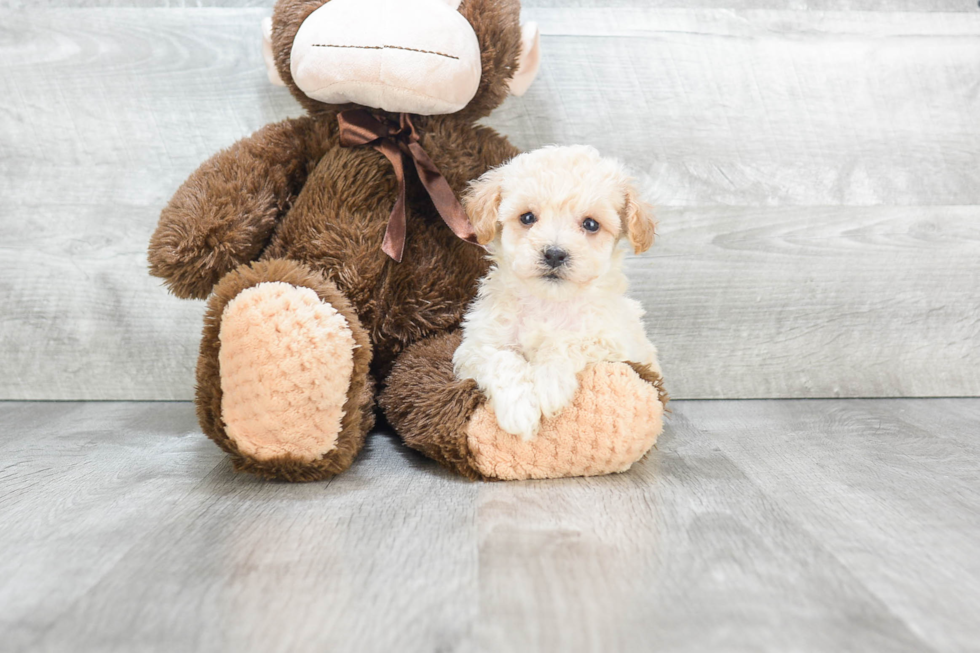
{"x":424,"y":57}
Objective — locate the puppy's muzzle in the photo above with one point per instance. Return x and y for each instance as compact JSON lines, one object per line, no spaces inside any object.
{"x":554,"y":257}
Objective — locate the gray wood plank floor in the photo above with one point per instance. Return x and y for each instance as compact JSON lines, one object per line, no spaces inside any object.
{"x":834,"y":525}
{"x":816,"y":173}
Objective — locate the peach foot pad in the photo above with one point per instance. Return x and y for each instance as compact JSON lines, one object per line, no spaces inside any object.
{"x":613,"y":421}
{"x":286,"y":364}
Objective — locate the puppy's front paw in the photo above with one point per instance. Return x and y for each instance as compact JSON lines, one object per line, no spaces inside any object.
{"x":555,"y":389}
{"x":518,"y":414}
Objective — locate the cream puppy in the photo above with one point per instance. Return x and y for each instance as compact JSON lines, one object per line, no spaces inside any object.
{"x":554,"y":300}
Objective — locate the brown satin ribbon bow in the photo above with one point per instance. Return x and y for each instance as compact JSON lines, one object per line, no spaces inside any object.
{"x":359,"y":127}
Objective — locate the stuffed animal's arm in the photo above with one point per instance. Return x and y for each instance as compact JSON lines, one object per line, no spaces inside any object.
{"x":226,"y":211}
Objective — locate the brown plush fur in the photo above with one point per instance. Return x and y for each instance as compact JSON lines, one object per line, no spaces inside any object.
{"x":431,"y":409}
{"x":358,"y":409}
{"x":225,"y":213}
{"x":428,"y":291}
{"x":314,"y":213}
{"x":434,"y":420}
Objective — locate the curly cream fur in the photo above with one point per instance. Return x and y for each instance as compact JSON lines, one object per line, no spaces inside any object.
{"x":533,"y":327}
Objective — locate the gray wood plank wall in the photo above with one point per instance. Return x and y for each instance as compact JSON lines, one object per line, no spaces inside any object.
{"x":816,"y":173}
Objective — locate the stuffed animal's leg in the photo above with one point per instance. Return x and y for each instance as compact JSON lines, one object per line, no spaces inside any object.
{"x":612,"y":421}
{"x":282,"y":379}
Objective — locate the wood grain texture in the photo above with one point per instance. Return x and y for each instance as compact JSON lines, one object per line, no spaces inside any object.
{"x":793,"y":5}
{"x":831,"y":301}
{"x":383,"y":555}
{"x":815,"y":173}
{"x":765,"y":108}
{"x":838,"y":525}
{"x":79,"y":484}
{"x":899,"y":476}
{"x":796,"y":5}
{"x":105,"y":113}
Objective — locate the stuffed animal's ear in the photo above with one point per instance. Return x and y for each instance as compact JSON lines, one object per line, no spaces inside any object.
{"x":641,"y":228}
{"x":482,"y":201}
{"x":270,"y":59}
{"x":530,"y":59}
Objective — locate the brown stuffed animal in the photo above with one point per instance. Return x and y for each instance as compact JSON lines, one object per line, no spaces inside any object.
{"x":335,"y":253}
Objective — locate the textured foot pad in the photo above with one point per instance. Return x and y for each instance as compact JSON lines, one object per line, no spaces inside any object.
{"x":286,"y":362}
{"x":613,"y":421}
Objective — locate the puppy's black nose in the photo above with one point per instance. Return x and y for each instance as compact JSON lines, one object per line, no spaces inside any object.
{"x":555,"y":257}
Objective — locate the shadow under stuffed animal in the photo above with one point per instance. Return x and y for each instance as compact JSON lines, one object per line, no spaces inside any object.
{"x":337,"y":260}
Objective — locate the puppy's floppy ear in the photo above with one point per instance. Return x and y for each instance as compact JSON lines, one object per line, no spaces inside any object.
{"x":481,"y":201}
{"x":639,"y":222}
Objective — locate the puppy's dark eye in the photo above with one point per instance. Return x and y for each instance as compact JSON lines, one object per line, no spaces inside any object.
{"x":528,"y":218}
{"x":590,"y":225}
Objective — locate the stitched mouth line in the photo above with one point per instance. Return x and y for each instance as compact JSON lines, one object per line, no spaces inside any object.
{"x":384,"y":47}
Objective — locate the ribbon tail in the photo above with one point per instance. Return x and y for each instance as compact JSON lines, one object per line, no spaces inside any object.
{"x":442,"y":194}
{"x":359,"y":127}
{"x":394,"y":241}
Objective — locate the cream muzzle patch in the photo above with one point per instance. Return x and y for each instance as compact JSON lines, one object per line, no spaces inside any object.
{"x":411,"y":56}
{"x":386,"y":54}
